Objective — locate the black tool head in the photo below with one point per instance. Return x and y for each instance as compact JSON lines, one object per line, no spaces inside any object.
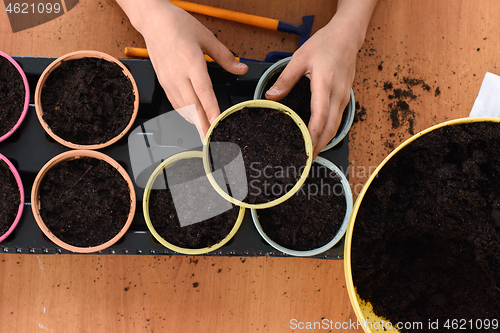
{"x":305,"y":29}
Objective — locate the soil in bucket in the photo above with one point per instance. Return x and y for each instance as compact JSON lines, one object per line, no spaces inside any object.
{"x":84,"y":202}
{"x":12,"y":92}
{"x":87,"y":101}
{"x":426,"y":239}
{"x":272,"y":147}
{"x":9,"y":198}
{"x":311,"y":217}
{"x":163,"y":213}
{"x":299,"y":99}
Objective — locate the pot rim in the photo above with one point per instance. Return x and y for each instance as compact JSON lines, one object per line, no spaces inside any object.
{"x":340,"y":233}
{"x":73,"y":56}
{"x":71,"y":155}
{"x":145,"y":207}
{"x":26,"y":96}
{"x":363,"y":309}
{"x":261,"y":103}
{"x":278,"y":67}
{"x":20,"y":186}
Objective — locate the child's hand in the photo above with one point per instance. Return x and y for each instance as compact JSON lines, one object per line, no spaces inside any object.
{"x":328,"y":59}
{"x":176,"y":44}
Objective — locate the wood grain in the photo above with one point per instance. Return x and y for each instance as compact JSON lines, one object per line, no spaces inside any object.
{"x":447,"y":44}
{"x":72,"y":293}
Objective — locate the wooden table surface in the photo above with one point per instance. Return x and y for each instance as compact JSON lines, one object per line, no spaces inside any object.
{"x":448,"y":45}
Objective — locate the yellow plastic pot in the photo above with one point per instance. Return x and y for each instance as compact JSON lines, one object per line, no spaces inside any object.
{"x":145,"y":206}
{"x":364,"y":311}
{"x":260,"y":104}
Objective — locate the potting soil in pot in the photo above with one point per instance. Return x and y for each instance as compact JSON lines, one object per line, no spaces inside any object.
{"x":9,"y":198}
{"x":299,"y":99}
{"x":272,"y":147}
{"x":12,"y":95}
{"x":426,"y":241}
{"x":163,"y":213}
{"x":84,"y":202}
{"x":312,"y":217}
{"x":87,"y":101}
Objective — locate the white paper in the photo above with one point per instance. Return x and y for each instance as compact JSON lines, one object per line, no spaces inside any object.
{"x":487,"y":103}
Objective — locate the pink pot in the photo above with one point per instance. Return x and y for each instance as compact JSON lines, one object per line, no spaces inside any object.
{"x":26,"y":97}
{"x":21,"y":193}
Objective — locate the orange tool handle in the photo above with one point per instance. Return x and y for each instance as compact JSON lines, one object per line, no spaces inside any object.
{"x":136,"y":52}
{"x":257,"y":21}
{"x":143,"y":53}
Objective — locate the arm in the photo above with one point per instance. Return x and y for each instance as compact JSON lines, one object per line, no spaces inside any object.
{"x":176,"y":42}
{"x":328,"y":58}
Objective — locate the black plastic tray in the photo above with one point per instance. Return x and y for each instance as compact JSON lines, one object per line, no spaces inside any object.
{"x":30,"y":148}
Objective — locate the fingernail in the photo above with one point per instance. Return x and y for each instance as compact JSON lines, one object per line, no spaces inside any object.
{"x":273,"y":91}
{"x":242,"y":65}
{"x":212,"y":119}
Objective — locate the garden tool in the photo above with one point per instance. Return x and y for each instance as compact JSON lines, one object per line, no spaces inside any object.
{"x":304,"y":30}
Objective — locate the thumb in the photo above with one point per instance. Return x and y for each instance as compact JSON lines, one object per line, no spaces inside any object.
{"x":225,"y":58}
{"x":286,"y":81}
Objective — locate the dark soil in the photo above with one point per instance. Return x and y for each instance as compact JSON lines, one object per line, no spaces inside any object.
{"x":164,"y":216}
{"x":400,"y":110}
{"x":299,"y":99}
{"x":87,"y":101}
{"x":426,"y":241}
{"x":269,"y":141}
{"x":84,"y":202}
{"x":359,"y":113}
{"x":312,"y":217}
{"x":9,"y":197}
{"x":12,"y":95}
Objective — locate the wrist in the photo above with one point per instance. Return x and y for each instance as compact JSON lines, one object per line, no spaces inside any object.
{"x":141,"y":12}
{"x":354,"y":16}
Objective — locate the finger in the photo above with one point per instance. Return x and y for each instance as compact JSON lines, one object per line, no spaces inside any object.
{"x":320,"y":107}
{"x":332,"y":124}
{"x":203,"y":89}
{"x":223,"y":56}
{"x":173,"y":94}
{"x":329,"y":130}
{"x":190,"y":114}
{"x":286,"y":81}
{"x":189,"y":97}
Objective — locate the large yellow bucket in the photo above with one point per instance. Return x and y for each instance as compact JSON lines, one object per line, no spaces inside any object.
{"x":367,"y":319}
